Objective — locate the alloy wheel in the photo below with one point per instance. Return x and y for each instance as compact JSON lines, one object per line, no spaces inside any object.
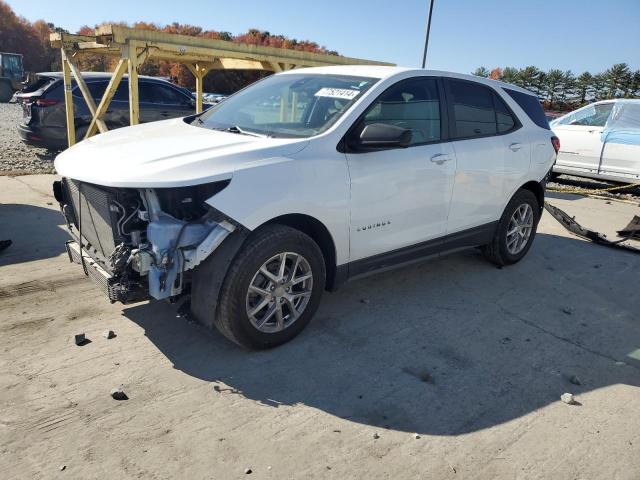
{"x":279,"y":292}
{"x":520,"y":228}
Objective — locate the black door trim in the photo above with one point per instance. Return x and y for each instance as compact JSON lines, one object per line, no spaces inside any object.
{"x":472,"y":237}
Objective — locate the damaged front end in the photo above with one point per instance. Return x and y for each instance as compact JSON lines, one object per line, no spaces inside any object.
{"x":141,"y":243}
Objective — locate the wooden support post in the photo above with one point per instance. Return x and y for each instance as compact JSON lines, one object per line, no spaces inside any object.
{"x":134,"y":99}
{"x":68,"y":100}
{"x":199,"y":70}
{"x":85,"y":93}
{"x":108,"y":95}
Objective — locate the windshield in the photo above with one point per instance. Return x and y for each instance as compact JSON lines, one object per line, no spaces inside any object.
{"x":291,"y":105}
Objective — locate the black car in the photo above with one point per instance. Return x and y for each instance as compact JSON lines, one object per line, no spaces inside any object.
{"x":44,"y":120}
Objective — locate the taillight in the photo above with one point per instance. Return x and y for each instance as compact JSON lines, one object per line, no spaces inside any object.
{"x":46,"y":102}
{"x":555,"y":141}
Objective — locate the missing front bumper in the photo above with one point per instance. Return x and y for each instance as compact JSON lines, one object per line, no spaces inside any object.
{"x":117,"y":289}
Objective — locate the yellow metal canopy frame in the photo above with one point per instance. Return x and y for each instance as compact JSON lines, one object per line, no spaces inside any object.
{"x":200,"y":55}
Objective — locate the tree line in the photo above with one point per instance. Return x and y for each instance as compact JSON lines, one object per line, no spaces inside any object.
{"x":563,"y":90}
{"x":18,"y":35}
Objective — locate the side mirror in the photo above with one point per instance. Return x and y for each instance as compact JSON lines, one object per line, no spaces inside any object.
{"x":380,"y":136}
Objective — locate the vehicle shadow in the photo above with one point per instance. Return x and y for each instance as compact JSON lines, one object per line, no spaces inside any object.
{"x":443,"y":348}
{"x":36,"y":233}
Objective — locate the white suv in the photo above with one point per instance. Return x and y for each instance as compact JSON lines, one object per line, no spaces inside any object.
{"x":300,"y":182}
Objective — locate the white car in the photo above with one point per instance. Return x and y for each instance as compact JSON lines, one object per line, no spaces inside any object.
{"x":601,"y":140}
{"x":254,"y":208}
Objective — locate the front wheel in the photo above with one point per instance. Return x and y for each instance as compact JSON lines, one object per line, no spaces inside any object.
{"x":516,"y":230}
{"x":272,"y":289}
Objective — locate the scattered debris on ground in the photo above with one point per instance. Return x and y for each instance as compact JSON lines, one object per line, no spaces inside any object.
{"x":80,"y":339}
{"x":575,"y":228}
{"x":632,"y":230}
{"x":108,"y":334}
{"x":567,"y":398}
{"x":118,"y":394}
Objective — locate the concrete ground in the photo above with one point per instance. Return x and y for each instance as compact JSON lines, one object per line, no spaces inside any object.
{"x":471,"y":358}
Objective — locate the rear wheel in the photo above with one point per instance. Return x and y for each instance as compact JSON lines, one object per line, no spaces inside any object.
{"x":516,"y":230}
{"x":272,"y":289}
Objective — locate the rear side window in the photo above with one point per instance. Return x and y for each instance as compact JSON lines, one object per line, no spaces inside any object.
{"x":531,"y":106}
{"x":412,"y":104}
{"x":40,"y":83}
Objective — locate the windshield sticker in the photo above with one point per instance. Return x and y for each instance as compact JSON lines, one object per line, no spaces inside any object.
{"x":344,"y":93}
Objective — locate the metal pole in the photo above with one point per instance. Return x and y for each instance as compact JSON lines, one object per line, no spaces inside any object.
{"x":426,"y":39}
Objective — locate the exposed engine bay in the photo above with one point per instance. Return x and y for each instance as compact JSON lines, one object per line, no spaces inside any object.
{"x":140,"y":243}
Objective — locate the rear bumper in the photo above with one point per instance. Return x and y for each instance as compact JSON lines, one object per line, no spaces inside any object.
{"x":40,"y":137}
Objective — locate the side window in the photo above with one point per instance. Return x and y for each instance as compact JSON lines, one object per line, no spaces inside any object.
{"x":412,"y":104}
{"x":531,"y":106}
{"x":473,"y":111}
{"x":145,"y":92}
{"x":96,"y":89}
{"x":163,"y":94}
{"x":122,"y":92}
{"x":591,"y":116}
{"x":504,"y":119}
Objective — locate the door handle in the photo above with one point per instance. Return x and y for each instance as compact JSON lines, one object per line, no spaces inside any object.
{"x":514,"y":147}
{"x":440,"y":158}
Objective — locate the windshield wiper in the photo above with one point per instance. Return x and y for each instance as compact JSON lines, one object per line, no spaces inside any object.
{"x":237,"y":129}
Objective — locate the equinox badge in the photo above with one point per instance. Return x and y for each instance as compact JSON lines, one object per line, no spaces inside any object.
{"x":374,"y":225}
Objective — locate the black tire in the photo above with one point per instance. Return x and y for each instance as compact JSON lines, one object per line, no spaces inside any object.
{"x":6,"y":92}
{"x":496,"y":251}
{"x":232,"y":319}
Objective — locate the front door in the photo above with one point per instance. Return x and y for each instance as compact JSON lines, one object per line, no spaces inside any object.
{"x":400,"y":197}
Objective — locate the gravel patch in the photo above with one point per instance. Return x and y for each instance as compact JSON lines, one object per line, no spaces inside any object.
{"x":572,"y":184}
{"x":17,"y":158}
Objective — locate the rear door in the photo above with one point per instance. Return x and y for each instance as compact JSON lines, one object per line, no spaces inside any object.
{"x":580,"y":136}
{"x":400,"y":197}
{"x":491,"y":153}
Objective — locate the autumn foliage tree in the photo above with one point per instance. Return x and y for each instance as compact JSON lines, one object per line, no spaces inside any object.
{"x":18,"y":35}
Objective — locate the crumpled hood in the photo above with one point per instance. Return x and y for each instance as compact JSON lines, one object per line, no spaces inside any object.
{"x":169,"y":153}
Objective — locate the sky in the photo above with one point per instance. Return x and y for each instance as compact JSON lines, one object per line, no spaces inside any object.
{"x":577,"y":35}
